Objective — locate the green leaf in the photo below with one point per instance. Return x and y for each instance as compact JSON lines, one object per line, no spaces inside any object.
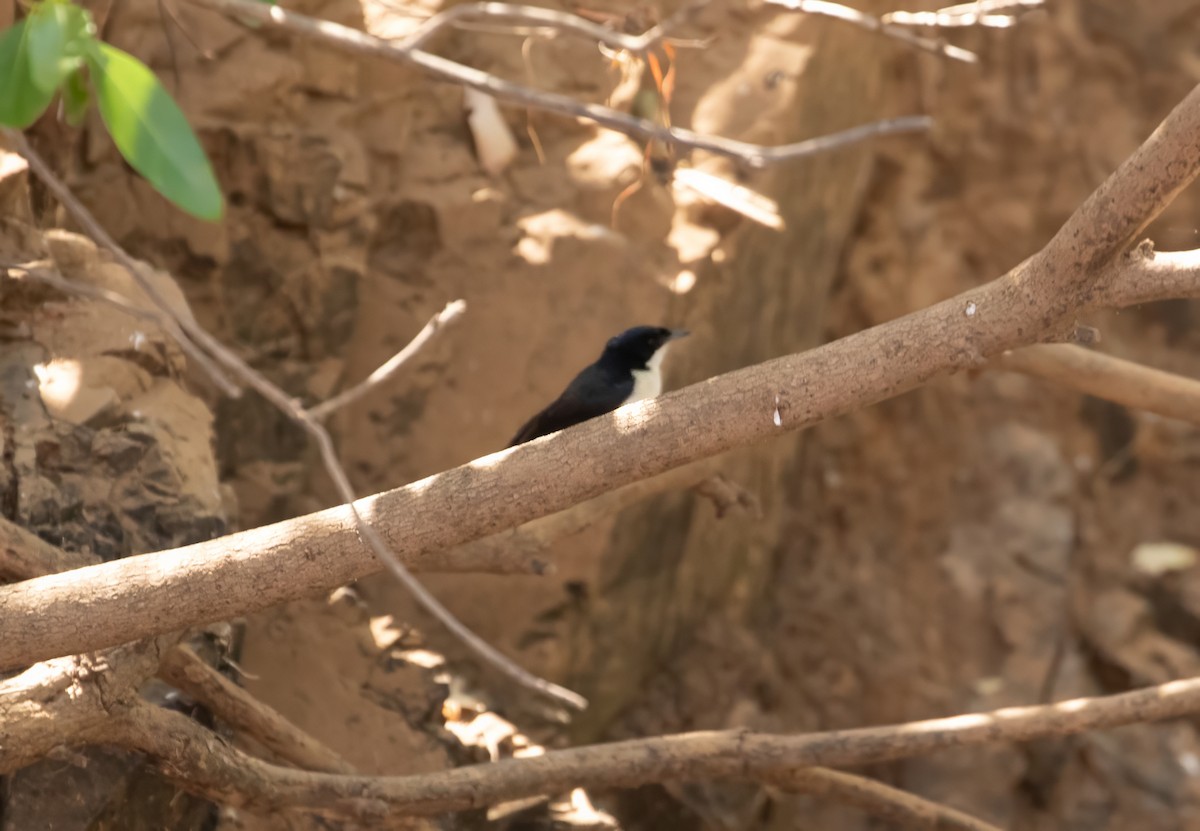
{"x":58,"y":34}
{"x":21,"y":100}
{"x":75,"y":97}
{"x":47,"y":36}
{"x":152,"y":133}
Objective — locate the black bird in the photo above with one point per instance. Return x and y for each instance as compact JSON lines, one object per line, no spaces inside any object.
{"x":628,"y":370}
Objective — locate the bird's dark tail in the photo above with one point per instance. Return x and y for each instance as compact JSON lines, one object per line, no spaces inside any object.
{"x":528,"y":432}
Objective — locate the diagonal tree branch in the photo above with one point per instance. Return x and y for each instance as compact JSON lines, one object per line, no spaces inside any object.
{"x":329,"y":539}
{"x":131,"y":307}
{"x":183,"y":669}
{"x":69,"y":700}
{"x":437,"y":323}
{"x":877,"y":799}
{"x":1112,"y":379}
{"x":1082,"y":267}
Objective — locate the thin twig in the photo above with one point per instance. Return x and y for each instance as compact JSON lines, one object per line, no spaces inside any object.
{"x":352,"y":40}
{"x":165,"y":6}
{"x":512,"y":15}
{"x":219,"y":771}
{"x":431,"y":604}
{"x":166,"y":30}
{"x":530,"y":128}
{"x":877,"y":799}
{"x":874,"y":24}
{"x":115,"y":299}
{"x":131,"y":307}
{"x":439,"y":321}
{"x":997,"y":14}
{"x":1112,"y":379}
{"x":291,"y":408}
{"x":183,"y":669}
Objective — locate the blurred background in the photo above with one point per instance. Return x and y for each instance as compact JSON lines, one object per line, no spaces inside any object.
{"x":971,"y":545}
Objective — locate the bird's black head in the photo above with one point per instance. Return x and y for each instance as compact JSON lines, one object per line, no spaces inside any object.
{"x":635,"y":347}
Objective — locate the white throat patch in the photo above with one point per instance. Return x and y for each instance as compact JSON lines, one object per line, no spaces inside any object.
{"x":647,"y":383}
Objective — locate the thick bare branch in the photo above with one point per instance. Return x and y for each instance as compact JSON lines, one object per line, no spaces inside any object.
{"x":352,"y":40}
{"x":1035,"y":302}
{"x":69,"y":700}
{"x":1145,"y":275}
{"x":330,"y":538}
{"x":1112,"y":379}
{"x":186,"y":753}
{"x":183,"y":669}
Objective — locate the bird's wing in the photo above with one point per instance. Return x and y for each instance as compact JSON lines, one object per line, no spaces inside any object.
{"x":591,"y":394}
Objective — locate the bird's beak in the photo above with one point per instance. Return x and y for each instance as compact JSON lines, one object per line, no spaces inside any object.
{"x":676,"y":334}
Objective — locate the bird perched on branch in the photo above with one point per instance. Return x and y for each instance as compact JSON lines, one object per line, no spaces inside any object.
{"x":629,"y":369}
